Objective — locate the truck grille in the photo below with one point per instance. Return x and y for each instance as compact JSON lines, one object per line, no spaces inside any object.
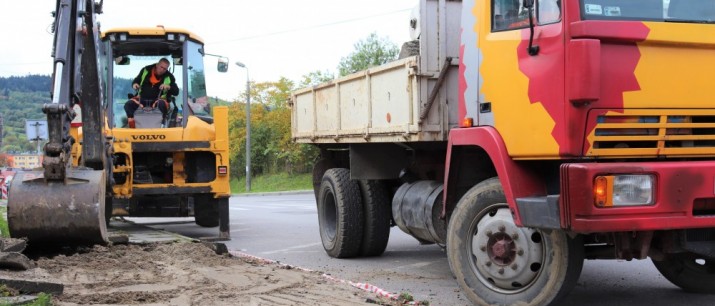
{"x":654,"y":132}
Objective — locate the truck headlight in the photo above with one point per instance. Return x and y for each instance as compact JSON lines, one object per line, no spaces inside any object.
{"x":624,"y":190}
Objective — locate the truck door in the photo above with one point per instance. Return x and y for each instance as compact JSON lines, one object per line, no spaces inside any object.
{"x":521,"y":93}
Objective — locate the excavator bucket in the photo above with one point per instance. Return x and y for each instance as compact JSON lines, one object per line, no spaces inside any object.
{"x":69,"y":212}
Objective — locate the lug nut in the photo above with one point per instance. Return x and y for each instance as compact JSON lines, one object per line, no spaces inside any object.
{"x":514,"y":267}
{"x":515,"y":236}
{"x":483,"y":248}
{"x":502,"y":228}
{"x":520,"y":252}
{"x":501,"y":271}
{"x":489,"y":264}
{"x":490,"y":234}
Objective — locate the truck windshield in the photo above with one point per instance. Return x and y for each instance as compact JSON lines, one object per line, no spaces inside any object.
{"x":687,"y":11}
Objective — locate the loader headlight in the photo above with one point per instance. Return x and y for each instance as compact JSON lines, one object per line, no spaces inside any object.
{"x":624,"y":190}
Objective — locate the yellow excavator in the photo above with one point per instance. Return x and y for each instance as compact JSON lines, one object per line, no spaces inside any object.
{"x":172,"y":164}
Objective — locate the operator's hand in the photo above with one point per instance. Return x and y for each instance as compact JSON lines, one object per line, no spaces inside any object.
{"x":163,"y":87}
{"x":135,"y":86}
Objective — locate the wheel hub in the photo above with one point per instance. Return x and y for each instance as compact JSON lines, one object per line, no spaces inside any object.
{"x":502,"y":249}
{"x":505,"y":257}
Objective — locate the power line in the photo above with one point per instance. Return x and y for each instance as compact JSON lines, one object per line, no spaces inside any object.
{"x":307,"y":28}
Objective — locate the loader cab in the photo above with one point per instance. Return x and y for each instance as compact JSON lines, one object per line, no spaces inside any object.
{"x":129,"y":50}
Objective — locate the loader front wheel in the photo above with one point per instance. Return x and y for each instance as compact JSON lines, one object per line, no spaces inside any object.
{"x":340,"y":214}
{"x":206,"y":210}
{"x":497,"y":263}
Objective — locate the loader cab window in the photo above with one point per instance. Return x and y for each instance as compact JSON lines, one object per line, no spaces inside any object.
{"x":125,"y":68}
{"x":198,"y":103}
{"x":509,"y":15}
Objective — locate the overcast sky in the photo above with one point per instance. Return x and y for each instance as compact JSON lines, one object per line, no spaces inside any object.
{"x":273,"y":38}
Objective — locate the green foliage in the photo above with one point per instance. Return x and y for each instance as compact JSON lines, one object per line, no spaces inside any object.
{"x":22,"y":99}
{"x":272,"y":149}
{"x":315,"y":78}
{"x":370,"y":52}
{"x":4,"y":231}
{"x":274,"y":182}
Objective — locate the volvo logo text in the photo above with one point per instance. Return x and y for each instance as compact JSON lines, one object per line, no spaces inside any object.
{"x":148,"y":137}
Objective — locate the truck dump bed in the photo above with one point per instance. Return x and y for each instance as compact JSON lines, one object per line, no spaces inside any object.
{"x":403,"y":101}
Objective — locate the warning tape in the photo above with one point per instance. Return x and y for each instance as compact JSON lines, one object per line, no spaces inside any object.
{"x":363,"y":286}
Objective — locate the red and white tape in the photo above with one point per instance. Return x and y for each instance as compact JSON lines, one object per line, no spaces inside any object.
{"x":363,"y":286}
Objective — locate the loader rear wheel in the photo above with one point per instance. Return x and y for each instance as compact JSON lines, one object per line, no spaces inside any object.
{"x":689,"y":271}
{"x":497,"y":263}
{"x":340,"y":214}
{"x":206,"y":210}
{"x":378,"y":213}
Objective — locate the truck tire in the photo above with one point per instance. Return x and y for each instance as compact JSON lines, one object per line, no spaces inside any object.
{"x":497,"y":263}
{"x":689,"y":271}
{"x":206,"y":210}
{"x":340,"y":214}
{"x":378,"y":213}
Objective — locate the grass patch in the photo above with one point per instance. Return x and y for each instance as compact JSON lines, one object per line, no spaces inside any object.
{"x":274,"y":182}
{"x":4,"y":231}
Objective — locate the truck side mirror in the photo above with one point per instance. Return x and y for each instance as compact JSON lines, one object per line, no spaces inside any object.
{"x":528,"y":3}
{"x":122,"y":60}
{"x":222,"y":65}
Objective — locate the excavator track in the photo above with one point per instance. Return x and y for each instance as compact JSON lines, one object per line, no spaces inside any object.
{"x":69,"y":212}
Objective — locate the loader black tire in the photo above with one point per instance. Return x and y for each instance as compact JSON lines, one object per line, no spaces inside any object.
{"x":689,"y":271}
{"x":206,"y":210}
{"x":378,"y":214}
{"x":497,"y":263}
{"x":340,"y":214}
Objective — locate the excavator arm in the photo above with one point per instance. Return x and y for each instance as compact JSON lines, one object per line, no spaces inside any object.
{"x":62,"y":204}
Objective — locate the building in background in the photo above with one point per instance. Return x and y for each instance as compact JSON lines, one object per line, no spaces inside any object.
{"x":24,"y":161}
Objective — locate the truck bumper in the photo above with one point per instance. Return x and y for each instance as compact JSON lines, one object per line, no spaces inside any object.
{"x":684,"y":197}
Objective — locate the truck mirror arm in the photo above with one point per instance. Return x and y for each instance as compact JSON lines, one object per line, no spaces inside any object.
{"x":532,"y":50}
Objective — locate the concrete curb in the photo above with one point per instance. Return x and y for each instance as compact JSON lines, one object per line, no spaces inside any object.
{"x":259,"y":194}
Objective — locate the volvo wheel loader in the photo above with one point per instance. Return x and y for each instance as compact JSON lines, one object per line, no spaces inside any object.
{"x":94,"y":164}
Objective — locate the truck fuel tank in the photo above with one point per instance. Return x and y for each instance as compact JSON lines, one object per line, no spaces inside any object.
{"x":416,"y":209}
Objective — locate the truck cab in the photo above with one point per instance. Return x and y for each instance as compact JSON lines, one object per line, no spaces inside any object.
{"x":527,"y":137}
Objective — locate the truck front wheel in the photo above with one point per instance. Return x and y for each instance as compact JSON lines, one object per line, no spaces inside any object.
{"x":498,"y":263}
{"x":689,"y":271}
{"x":340,"y":214}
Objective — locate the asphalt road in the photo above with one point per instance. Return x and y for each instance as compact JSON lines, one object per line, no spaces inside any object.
{"x":284,"y":227}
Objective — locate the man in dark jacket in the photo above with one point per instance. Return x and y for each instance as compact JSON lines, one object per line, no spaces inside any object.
{"x":154,"y":85}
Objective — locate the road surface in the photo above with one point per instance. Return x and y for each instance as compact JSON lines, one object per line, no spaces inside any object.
{"x":284,"y":227}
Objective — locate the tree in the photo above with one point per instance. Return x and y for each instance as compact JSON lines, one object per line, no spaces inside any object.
{"x":315,"y":78}
{"x":370,"y":52}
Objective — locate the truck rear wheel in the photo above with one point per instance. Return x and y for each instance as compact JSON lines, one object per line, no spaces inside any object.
{"x":689,"y":271}
{"x":498,"y":263}
{"x":206,"y":210}
{"x":340,"y":214}
{"x":376,"y":204}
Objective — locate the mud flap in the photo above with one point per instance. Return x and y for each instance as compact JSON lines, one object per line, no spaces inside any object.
{"x":69,"y":212}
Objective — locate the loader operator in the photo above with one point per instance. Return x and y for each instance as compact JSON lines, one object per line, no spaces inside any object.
{"x":154,"y":85}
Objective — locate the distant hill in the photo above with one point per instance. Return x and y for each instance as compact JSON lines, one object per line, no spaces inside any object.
{"x":21,"y":98}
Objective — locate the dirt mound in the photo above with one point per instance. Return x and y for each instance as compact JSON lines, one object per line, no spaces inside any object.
{"x":180,"y":274}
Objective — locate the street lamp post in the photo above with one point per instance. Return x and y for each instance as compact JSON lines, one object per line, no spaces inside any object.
{"x":248,"y":128}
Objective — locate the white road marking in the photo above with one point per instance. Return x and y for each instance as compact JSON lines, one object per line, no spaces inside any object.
{"x":292,"y":248}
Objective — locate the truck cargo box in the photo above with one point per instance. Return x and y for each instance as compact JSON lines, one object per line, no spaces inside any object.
{"x":410,"y":99}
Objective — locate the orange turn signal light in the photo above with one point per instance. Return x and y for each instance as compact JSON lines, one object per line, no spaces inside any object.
{"x":467,"y":122}
{"x":603,"y":191}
